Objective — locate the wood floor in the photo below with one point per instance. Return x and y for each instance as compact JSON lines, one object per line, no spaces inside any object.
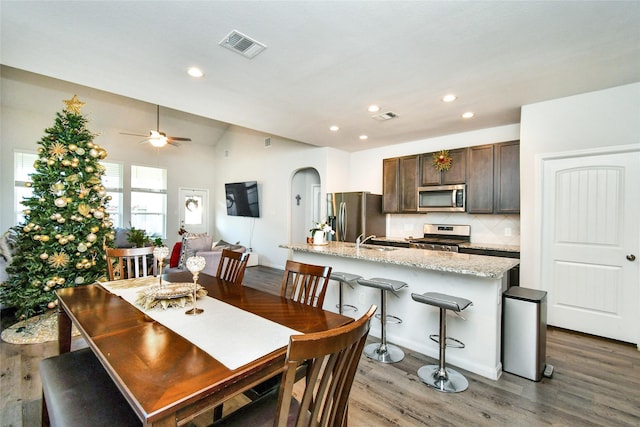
{"x":596,"y":383}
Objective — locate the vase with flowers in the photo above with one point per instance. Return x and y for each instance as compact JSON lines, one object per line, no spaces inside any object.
{"x":319,"y":232}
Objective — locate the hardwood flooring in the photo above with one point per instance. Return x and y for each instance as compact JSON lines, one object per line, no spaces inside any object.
{"x":596,"y":383}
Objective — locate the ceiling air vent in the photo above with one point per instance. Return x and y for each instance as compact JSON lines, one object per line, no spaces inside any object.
{"x":385,"y":116}
{"x":244,"y":45}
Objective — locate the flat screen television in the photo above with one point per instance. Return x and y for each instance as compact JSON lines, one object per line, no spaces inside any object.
{"x":242,"y":199}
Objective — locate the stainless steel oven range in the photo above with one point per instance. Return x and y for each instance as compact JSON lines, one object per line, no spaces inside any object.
{"x":442,"y":237}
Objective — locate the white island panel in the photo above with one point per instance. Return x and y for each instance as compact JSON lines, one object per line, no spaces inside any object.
{"x":480,"y":280}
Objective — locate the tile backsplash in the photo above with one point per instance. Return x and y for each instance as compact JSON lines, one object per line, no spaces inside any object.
{"x":493,"y":229}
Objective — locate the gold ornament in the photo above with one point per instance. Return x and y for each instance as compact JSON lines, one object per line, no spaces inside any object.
{"x":84,"y":209}
{"x":58,"y":259}
{"x":74,"y":105}
{"x":57,"y":149}
{"x":442,"y":160}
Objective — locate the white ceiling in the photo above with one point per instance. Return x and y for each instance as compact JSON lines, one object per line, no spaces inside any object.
{"x":326,"y":61}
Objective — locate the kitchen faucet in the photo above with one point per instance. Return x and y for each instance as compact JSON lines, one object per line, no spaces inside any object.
{"x":360,"y":242}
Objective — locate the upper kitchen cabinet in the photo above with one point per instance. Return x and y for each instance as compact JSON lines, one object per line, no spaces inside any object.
{"x":457,"y":173}
{"x":507,"y":178}
{"x":493,"y":178}
{"x":400,"y":184}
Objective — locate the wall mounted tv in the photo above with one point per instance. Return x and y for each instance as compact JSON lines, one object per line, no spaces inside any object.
{"x":242,"y":199}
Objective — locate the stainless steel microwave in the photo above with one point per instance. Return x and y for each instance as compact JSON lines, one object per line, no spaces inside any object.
{"x":442,"y":198}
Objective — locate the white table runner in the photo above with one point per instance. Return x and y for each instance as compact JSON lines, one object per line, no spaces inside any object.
{"x":232,"y":336}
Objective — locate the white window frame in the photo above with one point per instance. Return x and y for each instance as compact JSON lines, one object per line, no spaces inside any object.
{"x":161,"y":189}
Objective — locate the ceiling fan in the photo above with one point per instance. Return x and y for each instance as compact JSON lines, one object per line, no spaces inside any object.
{"x":156,"y":138}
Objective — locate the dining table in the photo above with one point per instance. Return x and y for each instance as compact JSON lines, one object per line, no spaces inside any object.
{"x":171,"y":374}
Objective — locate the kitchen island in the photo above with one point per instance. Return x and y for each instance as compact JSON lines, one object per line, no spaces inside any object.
{"x":481,"y":279}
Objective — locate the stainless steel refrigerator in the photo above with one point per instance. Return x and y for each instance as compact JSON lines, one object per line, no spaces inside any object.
{"x":355,"y":213}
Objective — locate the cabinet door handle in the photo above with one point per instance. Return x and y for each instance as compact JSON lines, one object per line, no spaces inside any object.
{"x":631,"y":257}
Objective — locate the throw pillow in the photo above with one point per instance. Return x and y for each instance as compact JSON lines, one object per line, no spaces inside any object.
{"x":191,"y":244}
{"x":120,"y":240}
{"x":175,"y":255}
{"x":222,"y":245}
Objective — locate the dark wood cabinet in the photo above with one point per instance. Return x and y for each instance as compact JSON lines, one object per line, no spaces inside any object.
{"x":493,"y":178}
{"x":390,"y":185}
{"x":457,"y":174}
{"x":507,"y":178}
{"x":400,"y":184}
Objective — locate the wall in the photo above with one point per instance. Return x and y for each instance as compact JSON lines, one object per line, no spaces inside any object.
{"x":593,"y":120}
{"x":241,"y":155}
{"x":29,"y":105}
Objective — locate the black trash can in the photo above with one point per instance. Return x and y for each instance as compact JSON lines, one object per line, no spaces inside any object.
{"x":524,"y":332}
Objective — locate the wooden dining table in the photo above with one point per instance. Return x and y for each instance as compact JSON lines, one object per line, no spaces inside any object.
{"x":166,"y":379}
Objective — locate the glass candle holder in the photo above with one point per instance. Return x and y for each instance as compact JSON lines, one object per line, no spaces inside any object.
{"x":160,"y":253}
{"x":195,"y":264}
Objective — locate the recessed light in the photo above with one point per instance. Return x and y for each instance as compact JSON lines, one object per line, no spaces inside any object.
{"x":334,"y":128}
{"x":468,"y":115}
{"x":363,"y":137}
{"x":449,"y":98}
{"x":195,"y":72}
{"x":373,"y":108}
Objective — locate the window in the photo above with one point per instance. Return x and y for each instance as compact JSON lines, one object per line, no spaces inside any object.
{"x":149,"y":199}
{"x":112,"y":181}
{"x":148,"y":193}
{"x":22,"y":169}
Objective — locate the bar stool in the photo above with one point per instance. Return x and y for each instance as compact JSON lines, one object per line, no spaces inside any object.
{"x":383,"y":352}
{"x":343,"y":278}
{"x":438,"y":376}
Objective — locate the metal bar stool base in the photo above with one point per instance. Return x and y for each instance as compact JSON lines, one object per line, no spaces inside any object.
{"x":346,"y":308}
{"x":384,"y":353}
{"x":452,"y":382}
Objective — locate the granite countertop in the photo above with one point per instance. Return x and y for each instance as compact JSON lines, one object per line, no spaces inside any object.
{"x":451,"y":262}
{"x":491,"y":246}
{"x":472,"y":245}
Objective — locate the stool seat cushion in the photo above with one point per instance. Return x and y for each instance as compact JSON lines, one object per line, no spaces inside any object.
{"x":78,"y":392}
{"x":445,"y":301}
{"x":344,"y":277}
{"x":384,"y":284}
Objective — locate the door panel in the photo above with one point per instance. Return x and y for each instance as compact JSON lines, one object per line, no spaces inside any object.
{"x":590,"y":214}
{"x":194,"y":209}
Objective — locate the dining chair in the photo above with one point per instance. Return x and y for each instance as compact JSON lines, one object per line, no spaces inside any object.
{"x":333,"y":358}
{"x":305,"y":283}
{"x":232,"y":266}
{"x":127,"y":263}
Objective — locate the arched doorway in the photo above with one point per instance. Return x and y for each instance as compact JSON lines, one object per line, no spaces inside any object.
{"x":306,"y":203}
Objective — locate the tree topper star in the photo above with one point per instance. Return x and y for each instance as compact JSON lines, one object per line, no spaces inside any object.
{"x":74,"y":105}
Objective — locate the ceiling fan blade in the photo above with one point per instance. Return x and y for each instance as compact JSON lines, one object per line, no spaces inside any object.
{"x":134,"y":134}
{"x":178,"y":138}
{"x":175,"y":144}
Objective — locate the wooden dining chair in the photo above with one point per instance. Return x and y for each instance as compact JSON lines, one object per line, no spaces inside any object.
{"x":232,"y":266}
{"x":305,"y":283}
{"x":127,"y":263}
{"x":333,"y":358}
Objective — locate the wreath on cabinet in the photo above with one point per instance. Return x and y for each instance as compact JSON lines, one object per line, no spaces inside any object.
{"x":442,"y":160}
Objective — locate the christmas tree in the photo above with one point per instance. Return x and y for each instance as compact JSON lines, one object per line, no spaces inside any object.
{"x":66,"y":227}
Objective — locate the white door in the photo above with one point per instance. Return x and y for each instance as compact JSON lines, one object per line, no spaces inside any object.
{"x":590,"y":235}
{"x":193,"y":205}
